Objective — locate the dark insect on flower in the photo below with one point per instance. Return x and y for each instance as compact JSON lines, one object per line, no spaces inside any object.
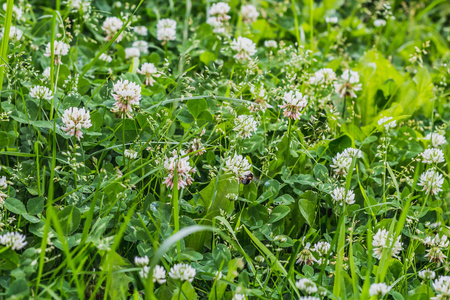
{"x":246,"y":178}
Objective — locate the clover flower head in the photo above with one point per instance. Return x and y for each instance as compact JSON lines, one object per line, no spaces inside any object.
{"x":244,"y":47}
{"x":182,"y":272}
{"x":294,"y":103}
{"x":180,"y":162}
{"x":245,"y":125}
{"x":74,"y":119}
{"x":249,"y":13}
{"x":166,"y":30}
{"x":14,"y":240}
{"x":111,"y":26}
{"x":431,"y":182}
{"x":382,"y":240}
{"x":41,"y":92}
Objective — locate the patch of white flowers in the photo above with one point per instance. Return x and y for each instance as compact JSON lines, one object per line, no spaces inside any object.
{"x":142,"y":46}
{"x":382,"y":240}
{"x":436,"y":139}
{"x":150,"y":72}
{"x":271,"y":44}
{"x":60,"y":49}
{"x":182,"y":272}
{"x":237,"y":165}
{"x":41,"y":93}
{"x":244,"y":47}
{"x":348,"y":84}
{"x":442,"y":286}
{"x":294,"y":103}
{"x":180,"y":163}
{"x":218,"y":16}
{"x":111,"y":26}
{"x":130,"y":154}
{"x":74,"y":119}
{"x":341,"y":196}
{"x":307,"y":286}
{"x":324,"y":76}
{"x":166,"y":30}
{"x":432,"y":156}
{"x":342,"y":161}
{"x":379,"y":290}
{"x":127,"y":95}
{"x":132,"y":52}
{"x":245,"y":125}
{"x":387,"y":122}
{"x":249,"y":13}
{"x":431,"y":182}
{"x":14,"y":240}
{"x":106,"y":58}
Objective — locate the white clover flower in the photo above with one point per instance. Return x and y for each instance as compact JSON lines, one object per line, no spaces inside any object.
{"x":245,"y":125}
{"x":349,"y":84}
{"x":141,"y":261}
{"x":237,"y":165}
{"x":306,"y":285}
{"x":41,"y":92}
{"x":341,"y":164}
{"x":436,"y":139}
{"x":142,"y":46}
{"x":322,"y":248}
{"x":249,"y":13}
{"x":379,"y":289}
{"x":166,"y":30}
{"x":323,"y":76}
{"x":14,"y":240}
{"x":271,"y":44}
{"x":387,"y":125}
{"x":47,"y":73}
{"x":106,"y":58}
{"x":111,"y":26}
{"x":379,"y":23}
{"x":432,"y":156}
{"x":150,"y":72}
{"x":127,"y":94}
{"x":442,"y":285}
{"x":294,"y":102}
{"x":219,"y":10}
{"x":309,"y":298}
{"x":305,"y":257}
{"x":381,"y":240}
{"x":437,"y":246}
{"x":239,"y":297}
{"x":3,"y":182}
{"x":341,"y":196}
{"x":352,"y":152}
{"x":17,"y":12}
{"x":183,"y":167}
{"x":159,"y":274}
{"x":74,"y":119}
{"x":350,"y":76}
{"x":441,"y":242}
{"x":60,"y":49}
{"x":182,"y":272}
{"x":141,"y":30}
{"x":427,"y":274}
{"x":431,"y":182}
{"x":331,"y":20}
{"x":244,"y":47}
{"x":132,"y":52}
{"x":130,"y":154}
{"x":15,"y":33}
